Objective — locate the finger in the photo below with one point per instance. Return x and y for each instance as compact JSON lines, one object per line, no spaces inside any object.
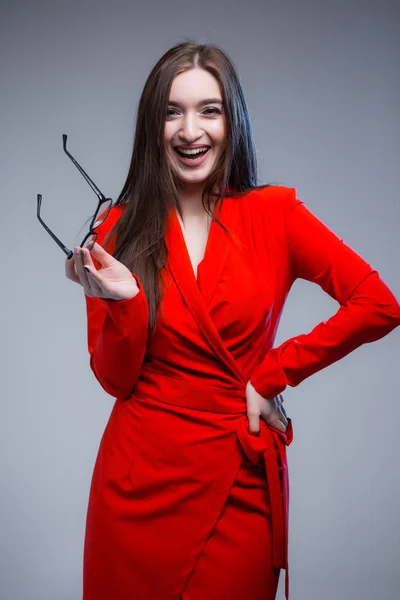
{"x":98,"y":286}
{"x":271,"y":418}
{"x":101,"y":255}
{"x":277,"y":423}
{"x":254,"y":423}
{"x":82,"y":274}
{"x":253,"y":415}
{"x":253,"y":410}
{"x":70,"y":271}
{"x":87,"y":258}
{"x":95,"y":287}
{"x":93,"y":276}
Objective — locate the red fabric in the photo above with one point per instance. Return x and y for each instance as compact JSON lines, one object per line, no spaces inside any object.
{"x":176,"y":459}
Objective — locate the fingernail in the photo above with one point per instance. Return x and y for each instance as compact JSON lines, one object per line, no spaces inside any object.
{"x":87,"y":269}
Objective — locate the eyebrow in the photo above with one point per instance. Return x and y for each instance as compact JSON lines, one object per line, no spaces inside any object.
{"x":201,"y":103}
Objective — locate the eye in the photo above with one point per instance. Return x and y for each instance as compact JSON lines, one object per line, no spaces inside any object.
{"x":206,"y":111}
{"x":213,"y":110}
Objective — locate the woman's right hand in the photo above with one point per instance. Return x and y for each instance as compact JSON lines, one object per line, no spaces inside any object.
{"x":113,"y":281}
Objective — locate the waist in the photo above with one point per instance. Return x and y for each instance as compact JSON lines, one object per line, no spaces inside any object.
{"x":191,"y":393}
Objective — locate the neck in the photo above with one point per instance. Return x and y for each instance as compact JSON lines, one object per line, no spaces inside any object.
{"x":190,"y":200}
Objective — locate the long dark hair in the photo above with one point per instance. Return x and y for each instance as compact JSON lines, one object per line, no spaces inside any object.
{"x":151,"y":187}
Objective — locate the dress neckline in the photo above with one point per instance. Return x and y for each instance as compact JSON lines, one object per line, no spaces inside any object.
{"x":211,"y":234}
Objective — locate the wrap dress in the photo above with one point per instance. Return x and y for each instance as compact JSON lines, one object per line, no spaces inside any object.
{"x":184,"y":501}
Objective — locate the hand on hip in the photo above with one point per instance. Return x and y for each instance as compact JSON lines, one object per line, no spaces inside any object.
{"x":271,"y":411}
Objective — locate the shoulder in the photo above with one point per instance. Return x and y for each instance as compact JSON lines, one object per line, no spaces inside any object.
{"x":271,"y":202}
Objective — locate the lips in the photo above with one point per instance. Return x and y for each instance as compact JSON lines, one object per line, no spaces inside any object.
{"x":195,"y":147}
{"x":192,"y":162}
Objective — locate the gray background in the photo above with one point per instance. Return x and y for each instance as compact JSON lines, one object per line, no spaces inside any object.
{"x":322,"y":83}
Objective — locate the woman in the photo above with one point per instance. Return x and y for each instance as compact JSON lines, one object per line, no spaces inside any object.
{"x":184,"y":291}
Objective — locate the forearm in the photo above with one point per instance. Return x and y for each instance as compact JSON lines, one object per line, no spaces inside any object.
{"x":117,"y":338}
{"x":370,"y":313}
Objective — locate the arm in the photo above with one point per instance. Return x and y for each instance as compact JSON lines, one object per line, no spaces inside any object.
{"x":368,"y":309}
{"x":116,"y":331}
{"x":117,"y":337}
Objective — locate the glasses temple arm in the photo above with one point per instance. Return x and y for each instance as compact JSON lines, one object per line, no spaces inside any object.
{"x":64,"y":248}
{"x":94,"y":187}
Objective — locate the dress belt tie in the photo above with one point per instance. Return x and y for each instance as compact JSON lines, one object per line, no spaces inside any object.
{"x":271,"y":443}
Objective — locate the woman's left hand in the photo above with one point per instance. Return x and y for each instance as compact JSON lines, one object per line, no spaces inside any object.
{"x":271,"y":411}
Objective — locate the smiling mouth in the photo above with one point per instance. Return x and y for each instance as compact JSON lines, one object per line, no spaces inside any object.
{"x":191,"y":156}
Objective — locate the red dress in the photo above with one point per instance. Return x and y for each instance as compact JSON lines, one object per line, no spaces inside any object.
{"x":184,"y":502}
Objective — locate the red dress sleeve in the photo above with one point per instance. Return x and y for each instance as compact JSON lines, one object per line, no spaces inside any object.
{"x":368,"y":309}
{"x":116,"y":332}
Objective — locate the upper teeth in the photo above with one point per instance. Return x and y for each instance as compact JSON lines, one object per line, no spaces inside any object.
{"x":195,"y":151}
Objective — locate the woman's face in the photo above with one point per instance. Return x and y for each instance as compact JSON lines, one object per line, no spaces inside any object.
{"x":195,"y":119}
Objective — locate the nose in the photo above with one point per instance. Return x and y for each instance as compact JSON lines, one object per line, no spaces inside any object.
{"x":190,"y":130}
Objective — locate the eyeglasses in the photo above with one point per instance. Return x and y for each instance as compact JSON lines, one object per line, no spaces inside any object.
{"x":100,"y":215}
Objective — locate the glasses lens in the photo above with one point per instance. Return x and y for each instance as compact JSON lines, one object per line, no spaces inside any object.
{"x":89,"y":241}
{"x":102,"y":213}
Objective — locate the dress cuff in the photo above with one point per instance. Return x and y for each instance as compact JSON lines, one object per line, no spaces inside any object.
{"x":130,"y":310}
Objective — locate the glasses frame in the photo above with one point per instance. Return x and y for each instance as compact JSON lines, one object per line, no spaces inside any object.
{"x":99,"y":194}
